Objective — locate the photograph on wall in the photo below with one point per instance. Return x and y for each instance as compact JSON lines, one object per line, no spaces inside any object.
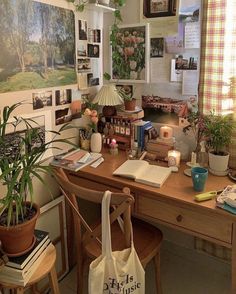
{"x":82,"y":49}
{"x":62,"y":116}
{"x":83,"y":30}
{"x":42,"y":99}
{"x":94,"y":36}
{"x":89,"y":79}
{"x":163,"y":110}
{"x":186,"y":63}
{"x":129,"y":60}
{"x":84,"y":64}
{"x":157,"y":47}
{"x":63,"y":96}
{"x":159,"y":8}
{"x":82,"y":80}
{"x":33,"y":52}
{"x":93,"y":50}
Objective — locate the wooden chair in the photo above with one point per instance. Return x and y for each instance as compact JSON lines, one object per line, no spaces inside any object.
{"x":46,"y":267}
{"x":147,"y":238}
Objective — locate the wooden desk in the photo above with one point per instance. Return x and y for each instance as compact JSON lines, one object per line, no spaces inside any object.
{"x":172,"y":205}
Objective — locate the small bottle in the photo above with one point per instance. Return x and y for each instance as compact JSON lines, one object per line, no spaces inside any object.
{"x":202,"y":155}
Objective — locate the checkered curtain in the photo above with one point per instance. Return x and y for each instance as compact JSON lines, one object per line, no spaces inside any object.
{"x":217,"y":89}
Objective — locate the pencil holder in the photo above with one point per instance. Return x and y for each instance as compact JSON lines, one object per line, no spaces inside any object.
{"x":85,"y":144}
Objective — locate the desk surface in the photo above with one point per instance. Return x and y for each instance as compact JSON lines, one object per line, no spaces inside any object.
{"x":177,"y":187}
{"x":172,"y":205}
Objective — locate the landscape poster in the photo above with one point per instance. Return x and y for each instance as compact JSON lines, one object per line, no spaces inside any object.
{"x":37,"y":45}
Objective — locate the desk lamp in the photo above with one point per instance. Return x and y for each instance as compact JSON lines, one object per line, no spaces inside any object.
{"x":109,"y":97}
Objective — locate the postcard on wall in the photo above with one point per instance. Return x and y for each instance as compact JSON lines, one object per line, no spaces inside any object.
{"x":157,"y":47}
{"x":42,"y":99}
{"x":175,"y":44}
{"x":62,"y":116}
{"x":159,"y":69}
{"x":84,"y":64}
{"x":176,"y":75}
{"x":83,"y":30}
{"x":82,"y":81}
{"x":192,"y":35}
{"x":82,"y":49}
{"x":63,"y":96}
{"x":190,"y":82}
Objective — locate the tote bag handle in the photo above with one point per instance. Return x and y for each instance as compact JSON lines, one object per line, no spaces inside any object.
{"x":106,"y":227}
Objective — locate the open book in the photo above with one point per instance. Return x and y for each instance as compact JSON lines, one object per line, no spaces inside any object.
{"x":143,"y":172}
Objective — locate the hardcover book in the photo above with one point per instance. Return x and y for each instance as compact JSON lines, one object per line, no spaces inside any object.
{"x":19,"y":277}
{"x":143,"y":172}
{"x":21,"y":261}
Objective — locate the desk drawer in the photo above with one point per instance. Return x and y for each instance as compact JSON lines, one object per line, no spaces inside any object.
{"x":214,"y":227}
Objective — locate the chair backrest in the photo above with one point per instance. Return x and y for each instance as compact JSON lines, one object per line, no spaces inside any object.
{"x":120,"y":202}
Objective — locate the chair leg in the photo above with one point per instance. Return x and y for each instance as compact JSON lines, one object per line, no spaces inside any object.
{"x":53,"y":281}
{"x":80,"y":284}
{"x":158,"y":272}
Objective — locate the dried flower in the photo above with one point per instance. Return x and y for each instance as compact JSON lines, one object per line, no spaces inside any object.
{"x":197,"y":124}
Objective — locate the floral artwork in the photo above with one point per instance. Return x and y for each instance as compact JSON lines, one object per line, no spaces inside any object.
{"x":129,"y":56}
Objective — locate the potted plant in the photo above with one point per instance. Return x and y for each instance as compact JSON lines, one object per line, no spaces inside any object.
{"x":218,"y":131}
{"x":21,"y":149}
{"x":129,"y":101}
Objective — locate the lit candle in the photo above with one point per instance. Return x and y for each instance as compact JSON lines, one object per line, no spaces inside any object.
{"x":173,"y":158}
{"x":166,"y":132}
{"x":114,"y":147}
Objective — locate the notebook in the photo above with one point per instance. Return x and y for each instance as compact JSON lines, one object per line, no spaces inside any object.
{"x":143,"y":172}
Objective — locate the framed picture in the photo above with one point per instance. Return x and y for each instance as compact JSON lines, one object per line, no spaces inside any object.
{"x":129,"y":61}
{"x":158,"y":8}
{"x":63,"y":96}
{"x":93,"y":50}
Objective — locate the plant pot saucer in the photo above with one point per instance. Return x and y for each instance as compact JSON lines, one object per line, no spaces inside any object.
{"x":22,"y":252}
{"x":219,"y":173}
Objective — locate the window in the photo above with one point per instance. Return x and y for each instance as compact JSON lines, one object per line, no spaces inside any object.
{"x":218,"y":57}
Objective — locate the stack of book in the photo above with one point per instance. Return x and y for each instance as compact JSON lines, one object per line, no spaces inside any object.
{"x":18,"y":270}
{"x":160,"y":147}
{"x":75,"y":160}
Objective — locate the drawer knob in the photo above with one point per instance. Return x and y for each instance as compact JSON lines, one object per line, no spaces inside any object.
{"x":179,"y":218}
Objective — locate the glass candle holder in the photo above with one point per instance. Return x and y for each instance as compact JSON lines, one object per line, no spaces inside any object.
{"x":114,"y":147}
{"x":174,"y":158}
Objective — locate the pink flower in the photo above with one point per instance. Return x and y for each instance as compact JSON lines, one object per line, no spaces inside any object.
{"x":94,"y":113}
{"x":94,"y":119}
{"x":129,"y":51}
{"x":87,"y":111}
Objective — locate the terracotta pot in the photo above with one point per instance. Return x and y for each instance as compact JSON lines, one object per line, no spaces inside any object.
{"x":19,"y":239}
{"x":130,"y":104}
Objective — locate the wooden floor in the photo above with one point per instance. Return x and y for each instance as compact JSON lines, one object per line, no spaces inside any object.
{"x":182,"y":273}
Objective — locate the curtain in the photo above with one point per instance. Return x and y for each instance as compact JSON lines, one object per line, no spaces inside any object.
{"x":217,"y":88}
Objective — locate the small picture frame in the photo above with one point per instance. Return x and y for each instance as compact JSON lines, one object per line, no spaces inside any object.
{"x":159,"y":8}
{"x":93,"y":51}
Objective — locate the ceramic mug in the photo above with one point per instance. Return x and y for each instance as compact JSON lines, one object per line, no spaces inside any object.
{"x":199,"y":177}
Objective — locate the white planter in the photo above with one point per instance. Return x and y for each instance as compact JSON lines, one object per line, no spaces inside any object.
{"x":96,"y":142}
{"x":218,"y":164}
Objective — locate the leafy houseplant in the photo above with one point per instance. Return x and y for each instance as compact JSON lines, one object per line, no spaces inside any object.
{"x":20,"y":155}
{"x":218,"y":132}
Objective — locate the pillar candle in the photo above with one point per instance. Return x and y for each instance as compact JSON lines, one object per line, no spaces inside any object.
{"x":173,"y":158}
{"x":166,"y":132}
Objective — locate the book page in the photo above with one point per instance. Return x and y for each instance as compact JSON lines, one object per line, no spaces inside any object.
{"x":154,"y":175}
{"x":131,"y":168}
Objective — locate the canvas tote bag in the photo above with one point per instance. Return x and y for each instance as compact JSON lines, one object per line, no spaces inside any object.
{"x":118,"y":272}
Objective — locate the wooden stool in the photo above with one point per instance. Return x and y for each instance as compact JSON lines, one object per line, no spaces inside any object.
{"x":47,"y":266}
